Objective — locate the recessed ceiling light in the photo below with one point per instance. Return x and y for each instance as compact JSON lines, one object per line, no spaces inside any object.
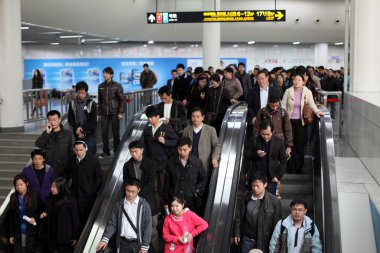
{"x":54,"y":43}
{"x":145,"y":45}
{"x":251,"y":42}
{"x":109,"y":42}
{"x":116,"y":38}
{"x":339,"y":43}
{"x":196,"y":45}
{"x":174,"y":48}
{"x":150,"y":42}
{"x":191,"y":45}
{"x":24,"y":27}
{"x":29,"y":41}
{"x":296,"y":43}
{"x":70,"y":36}
{"x":235,"y":45}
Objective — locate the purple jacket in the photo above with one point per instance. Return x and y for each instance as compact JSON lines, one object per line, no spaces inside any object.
{"x":43,"y":191}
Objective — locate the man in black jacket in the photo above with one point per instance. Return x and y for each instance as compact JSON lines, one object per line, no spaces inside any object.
{"x":268,"y":153}
{"x":111,"y":108}
{"x":244,"y":79}
{"x":181,"y":85}
{"x":56,"y":141}
{"x":172,"y":111}
{"x":185,"y":177}
{"x":145,"y":170}
{"x":83,"y":116}
{"x":256,"y":217}
{"x":86,"y":179}
{"x":332,"y":84}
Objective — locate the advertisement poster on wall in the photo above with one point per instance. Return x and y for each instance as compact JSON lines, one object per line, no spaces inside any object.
{"x":64,"y":73}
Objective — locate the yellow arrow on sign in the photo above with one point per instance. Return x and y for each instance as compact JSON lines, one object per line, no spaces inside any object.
{"x":279,"y":15}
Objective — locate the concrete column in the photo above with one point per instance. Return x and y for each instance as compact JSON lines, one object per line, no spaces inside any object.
{"x":11,"y":68}
{"x":364,"y":50}
{"x":211,"y":37}
{"x":321,"y":53}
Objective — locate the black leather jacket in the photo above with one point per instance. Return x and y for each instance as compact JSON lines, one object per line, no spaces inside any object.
{"x":110,"y":98}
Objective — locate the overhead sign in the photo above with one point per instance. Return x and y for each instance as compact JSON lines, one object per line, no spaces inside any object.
{"x":216,"y":16}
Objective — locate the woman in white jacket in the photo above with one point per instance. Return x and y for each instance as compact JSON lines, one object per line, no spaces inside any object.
{"x":293,"y":102}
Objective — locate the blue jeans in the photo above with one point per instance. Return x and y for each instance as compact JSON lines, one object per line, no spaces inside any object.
{"x":91,"y":144}
{"x":247,"y":244}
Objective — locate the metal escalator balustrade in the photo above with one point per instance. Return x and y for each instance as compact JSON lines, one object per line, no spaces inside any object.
{"x":224,"y":183}
{"x":112,"y":191}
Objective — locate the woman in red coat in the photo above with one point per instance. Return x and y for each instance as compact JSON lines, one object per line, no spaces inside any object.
{"x":181,"y":226}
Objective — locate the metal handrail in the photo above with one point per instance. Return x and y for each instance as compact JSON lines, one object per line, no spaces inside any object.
{"x":224,"y":183}
{"x":111,"y":192}
{"x":326,"y":207}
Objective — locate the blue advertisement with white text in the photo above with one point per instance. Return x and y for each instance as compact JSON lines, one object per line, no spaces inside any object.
{"x":64,"y":73}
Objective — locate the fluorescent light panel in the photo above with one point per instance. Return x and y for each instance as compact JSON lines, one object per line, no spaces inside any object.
{"x":24,"y":27}
{"x":151,"y":42}
{"x":251,"y":42}
{"x":339,"y":43}
{"x":47,"y":33}
{"x":70,"y":36}
{"x":93,"y":40}
{"x":235,"y":45}
{"x":54,"y":43}
{"x":109,"y":42}
{"x":296,"y":43}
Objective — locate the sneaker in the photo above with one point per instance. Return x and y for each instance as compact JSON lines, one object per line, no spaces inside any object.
{"x":104,"y":155}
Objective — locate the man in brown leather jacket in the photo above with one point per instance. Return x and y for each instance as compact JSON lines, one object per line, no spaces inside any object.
{"x":110,"y":109}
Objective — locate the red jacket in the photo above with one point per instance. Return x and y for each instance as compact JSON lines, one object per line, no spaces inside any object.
{"x":175,"y":227}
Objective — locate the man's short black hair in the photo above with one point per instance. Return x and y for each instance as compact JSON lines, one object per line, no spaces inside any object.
{"x":241,"y":64}
{"x":263,"y":71}
{"x":135,"y":144}
{"x":301,"y":70}
{"x":184,"y":141}
{"x":229,"y":70}
{"x":82,"y":85}
{"x":38,"y":151}
{"x":52,"y":113}
{"x":198,"y":109}
{"x":273,"y":98}
{"x":219,"y":71}
{"x":198,"y":70}
{"x":132,"y":182}
{"x":215,"y":77}
{"x":108,"y":70}
{"x":210,"y":67}
{"x":152,"y":111}
{"x":298,"y":202}
{"x":180,"y":65}
{"x":145,"y":65}
{"x":259,"y":176}
{"x":266,"y":124}
{"x":173,"y":70}
{"x":164,"y":90}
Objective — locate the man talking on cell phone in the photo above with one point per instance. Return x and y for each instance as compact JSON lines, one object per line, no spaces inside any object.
{"x":56,"y":141}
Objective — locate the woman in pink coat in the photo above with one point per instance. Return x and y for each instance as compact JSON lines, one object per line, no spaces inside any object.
{"x":181,"y":226}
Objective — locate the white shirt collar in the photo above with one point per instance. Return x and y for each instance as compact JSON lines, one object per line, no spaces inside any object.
{"x":197,"y":129}
{"x":136,"y":201}
{"x":254,"y":198}
{"x":264,"y":89}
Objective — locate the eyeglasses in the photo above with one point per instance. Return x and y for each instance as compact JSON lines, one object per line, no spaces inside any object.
{"x":298,"y":210}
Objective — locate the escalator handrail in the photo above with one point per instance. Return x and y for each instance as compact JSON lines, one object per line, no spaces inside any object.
{"x":97,"y":210}
{"x":328,"y":220}
{"x":219,"y":214}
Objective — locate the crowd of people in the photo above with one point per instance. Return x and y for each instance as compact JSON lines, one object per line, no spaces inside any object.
{"x":166,"y":180}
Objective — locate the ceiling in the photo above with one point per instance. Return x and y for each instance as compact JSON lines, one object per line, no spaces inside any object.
{"x":125,"y":21}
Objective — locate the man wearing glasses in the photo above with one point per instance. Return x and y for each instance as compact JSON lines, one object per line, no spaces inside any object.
{"x":297,"y":233}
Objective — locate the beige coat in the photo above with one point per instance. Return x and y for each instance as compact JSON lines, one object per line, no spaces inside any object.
{"x":288,"y":101}
{"x":209,"y":146}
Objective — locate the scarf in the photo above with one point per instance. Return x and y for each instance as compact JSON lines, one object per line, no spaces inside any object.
{"x":80,"y":107}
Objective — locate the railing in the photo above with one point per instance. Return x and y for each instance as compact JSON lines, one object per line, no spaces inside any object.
{"x":135,"y":101}
{"x":37,"y":102}
{"x":325,"y":197}
{"x":332,"y":98}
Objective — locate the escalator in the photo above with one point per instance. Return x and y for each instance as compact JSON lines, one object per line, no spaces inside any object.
{"x":318,"y":185}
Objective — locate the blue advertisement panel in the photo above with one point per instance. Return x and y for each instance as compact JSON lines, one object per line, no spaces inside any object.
{"x":64,"y":73}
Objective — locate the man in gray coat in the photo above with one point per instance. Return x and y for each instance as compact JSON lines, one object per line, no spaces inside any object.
{"x":206,"y":145}
{"x":131,"y":218}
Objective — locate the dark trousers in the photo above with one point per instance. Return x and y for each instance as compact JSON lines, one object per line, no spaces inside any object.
{"x":91,"y":144}
{"x":130,"y":247}
{"x":105,"y":121}
{"x":295,"y":163}
{"x":272,"y":187}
